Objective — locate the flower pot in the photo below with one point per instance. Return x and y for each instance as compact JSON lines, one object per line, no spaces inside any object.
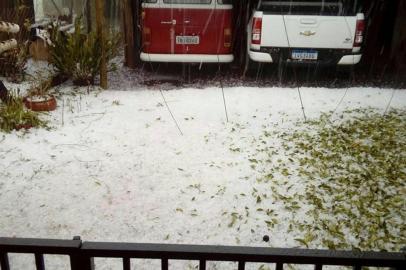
{"x":23,"y":126}
{"x":44,"y":103}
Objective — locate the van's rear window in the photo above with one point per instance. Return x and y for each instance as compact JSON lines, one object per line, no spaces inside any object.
{"x":187,"y":1}
{"x":311,"y":7}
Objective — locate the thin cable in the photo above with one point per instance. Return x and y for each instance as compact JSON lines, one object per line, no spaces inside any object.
{"x":300,"y":97}
{"x":224,"y":100}
{"x":173,"y":117}
{"x":351,"y":75}
{"x":389,"y":103}
{"x":222,"y":88}
{"x":339,"y":103}
{"x":297,"y":83}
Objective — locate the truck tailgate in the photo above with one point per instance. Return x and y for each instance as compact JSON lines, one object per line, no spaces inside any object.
{"x":321,"y":31}
{"x":303,"y":31}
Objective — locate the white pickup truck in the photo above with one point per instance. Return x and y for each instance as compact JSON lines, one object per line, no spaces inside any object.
{"x":324,"y":32}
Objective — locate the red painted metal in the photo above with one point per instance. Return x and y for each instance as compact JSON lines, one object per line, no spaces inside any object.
{"x":161,"y":26}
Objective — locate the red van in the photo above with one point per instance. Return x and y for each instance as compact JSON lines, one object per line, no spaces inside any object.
{"x":187,"y":31}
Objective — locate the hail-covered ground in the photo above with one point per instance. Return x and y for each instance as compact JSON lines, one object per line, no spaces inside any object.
{"x":115,"y":166}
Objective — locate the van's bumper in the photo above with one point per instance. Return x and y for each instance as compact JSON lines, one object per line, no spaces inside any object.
{"x":326,"y":56}
{"x":187,"y":58}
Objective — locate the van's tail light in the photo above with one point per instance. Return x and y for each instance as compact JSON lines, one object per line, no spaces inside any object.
{"x":256,"y":30}
{"x":227,"y":38}
{"x":146,"y":36}
{"x":359,"y":33}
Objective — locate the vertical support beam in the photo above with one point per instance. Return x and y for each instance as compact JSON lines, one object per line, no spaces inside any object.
{"x":88,"y":12}
{"x":279,"y":266}
{"x":164,"y":264}
{"x":398,"y":50}
{"x":126,"y":264}
{"x":39,"y":261}
{"x":80,"y":262}
{"x":101,"y":37}
{"x":129,"y":23}
{"x":4,"y":264}
{"x":241,"y":265}
{"x":202,"y":265}
{"x":318,"y":267}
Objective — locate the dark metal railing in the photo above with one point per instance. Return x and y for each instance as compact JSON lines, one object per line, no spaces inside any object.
{"x":82,"y":254}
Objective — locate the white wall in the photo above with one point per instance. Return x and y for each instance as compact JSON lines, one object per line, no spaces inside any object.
{"x":45,"y":8}
{"x":39,"y":10}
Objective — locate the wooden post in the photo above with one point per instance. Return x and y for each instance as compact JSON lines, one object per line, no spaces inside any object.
{"x":398,"y":53}
{"x":101,"y":37}
{"x":88,"y":13}
{"x":130,"y":14}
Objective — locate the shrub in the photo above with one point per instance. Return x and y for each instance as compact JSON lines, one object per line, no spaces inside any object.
{"x":14,"y":115}
{"x":40,"y":86}
{"x":78,"y":55}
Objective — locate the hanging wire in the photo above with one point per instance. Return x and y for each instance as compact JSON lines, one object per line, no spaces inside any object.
{"x":170,"y":112}
{"x":224,"y":99}
{"x":300,"y":96}
{"x":339,"y":103}
{"x":297,"y":83}
{"x":222,"y":88}
{"x":351,"y":77}
{"x":389,"y":103}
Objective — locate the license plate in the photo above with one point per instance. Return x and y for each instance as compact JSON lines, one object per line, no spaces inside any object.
{"x":304,"y":55}
{"x":187,"y":40}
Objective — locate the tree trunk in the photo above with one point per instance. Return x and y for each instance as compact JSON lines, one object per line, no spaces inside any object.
{"x":101,"y":37}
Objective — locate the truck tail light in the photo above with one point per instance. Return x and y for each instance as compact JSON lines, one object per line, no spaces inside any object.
{"x":227,"y":38}
{"x":146,"y":36}
{"x":256,"y":30}
{"x":359,"y":33}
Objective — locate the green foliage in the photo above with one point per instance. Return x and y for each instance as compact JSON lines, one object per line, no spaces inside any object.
{"x":14,"y":115}
{"x":78,"y":55}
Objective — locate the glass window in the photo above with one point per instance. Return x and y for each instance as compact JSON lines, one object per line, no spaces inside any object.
{"x":225,"y":2}
{"x":149,"y":1}
{"x":187,"y":1}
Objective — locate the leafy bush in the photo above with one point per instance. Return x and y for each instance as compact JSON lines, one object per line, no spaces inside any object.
{"x":78,"y":55}
{"x":14,"y":115}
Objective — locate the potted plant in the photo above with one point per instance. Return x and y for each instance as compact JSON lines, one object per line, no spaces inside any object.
{"x":14,"y":116}
{"x":39,"y":99}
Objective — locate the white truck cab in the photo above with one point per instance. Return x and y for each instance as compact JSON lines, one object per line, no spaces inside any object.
{"x":324,"y":32}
